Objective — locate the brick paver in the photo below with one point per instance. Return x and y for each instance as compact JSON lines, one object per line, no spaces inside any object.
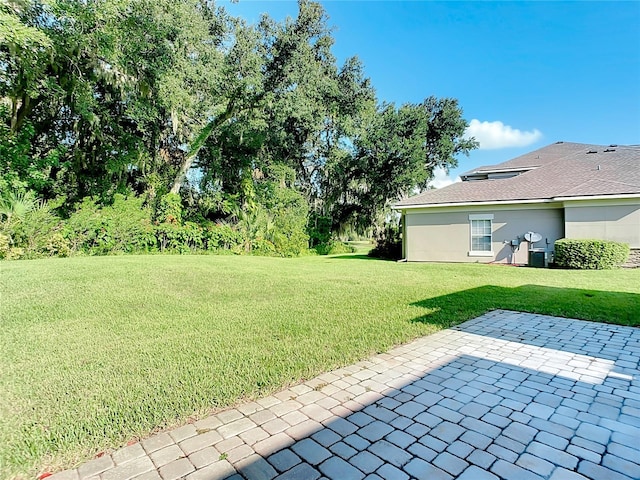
{"x":507,"y":395}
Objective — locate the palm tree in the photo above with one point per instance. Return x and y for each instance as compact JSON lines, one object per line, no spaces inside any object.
{"x":14,"y":206}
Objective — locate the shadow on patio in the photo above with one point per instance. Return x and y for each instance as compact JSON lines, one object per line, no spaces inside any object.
{"x":507,"y":395}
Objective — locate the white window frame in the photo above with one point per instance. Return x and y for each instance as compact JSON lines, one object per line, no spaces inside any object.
{"x":480,"y":216}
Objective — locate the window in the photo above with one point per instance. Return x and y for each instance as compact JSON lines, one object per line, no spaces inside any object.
{"x":481,"y":239}
{"x":481,"y":235}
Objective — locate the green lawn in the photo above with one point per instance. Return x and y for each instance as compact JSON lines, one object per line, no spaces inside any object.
{"x":98,"y":351}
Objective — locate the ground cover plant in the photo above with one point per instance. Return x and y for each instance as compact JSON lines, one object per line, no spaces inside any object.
{"x":98,"y":351}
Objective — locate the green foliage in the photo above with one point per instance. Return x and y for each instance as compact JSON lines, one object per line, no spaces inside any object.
{"x":123,"y":227}
{"x":170,"y":237}
{"x":388,"y":243}
{"x":274,"y":217}
{"x":101,"y":99}
{"x":58,"y":246}
{"x":590,"y":254}
{"x":14,"y":206}
{"x":319,"y":229}
{"x":6,"y":250}
{"x":395,"y":153}
{"x":34,"y":234}
{"x":253,"y":224}
{"x":20,"y":168}
{"x":25,"y":54}
{"x":289,"y":211}
{"x":126,"y":226}
{"x":262,"y":246}
{"x":25,"y":223}
{"x":14,"y":156}
{"x":192,"y":237}
{"x":334,"y":247}
{"x":169,"y":209}
{"x":222,"y":237}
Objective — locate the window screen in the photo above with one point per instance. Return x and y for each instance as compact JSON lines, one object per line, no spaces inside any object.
{"x":481,"y":235}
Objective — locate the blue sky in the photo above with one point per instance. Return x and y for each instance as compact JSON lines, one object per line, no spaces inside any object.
{"x":526,"y":74}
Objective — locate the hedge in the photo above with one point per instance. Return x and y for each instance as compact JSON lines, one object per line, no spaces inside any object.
{"x":590,"y":254}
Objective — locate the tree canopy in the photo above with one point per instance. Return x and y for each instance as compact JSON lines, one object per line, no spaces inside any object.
{"x":176,"y":97}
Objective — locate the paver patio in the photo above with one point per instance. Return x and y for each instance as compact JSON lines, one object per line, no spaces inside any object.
{"x":507,"y":395}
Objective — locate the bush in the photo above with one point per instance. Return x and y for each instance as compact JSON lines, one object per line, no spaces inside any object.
{"x":129,"y":225}
{"x":319,"y":230}
{"x":222,"y":237}
{"x":388,"y":244}
{"x":169,"y":209}
{"x":8,"y":252}
{"x":289,"y":212}
{"x":335,"y":247}
{"x":170,"y":237}
{"x":126,"y":227}
{"x":261,"y":246}
{"x":123,"y":227}
{"x":58,"y":246}
{"x":31,"y":236}
{"x":590,"y":254}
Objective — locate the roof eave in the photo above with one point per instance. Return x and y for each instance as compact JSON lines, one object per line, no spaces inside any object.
{"x":517,"y":202}
{"x":468,"y":204}
{"x":598,"y":197}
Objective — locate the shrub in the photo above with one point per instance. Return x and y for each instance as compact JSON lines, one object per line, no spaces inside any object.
{"x":123,"y":227}
{"x":12,"y":253}
{"x":193,"y":236}
{"x":289,"y":214}
{"x":319,"y":230}
{"x":222,"y":237}
{"x":31,"y":235}
{"x":590,"y":254}
{"x":30,"y":229}
{"x":334,"y":247}
{"x":169,"y":209}
{"x":5,"y":247}
{"x":58,"y":246}
{"x":170,"y":237}
{"x":388,"y":244}
{"x":261,"y":246}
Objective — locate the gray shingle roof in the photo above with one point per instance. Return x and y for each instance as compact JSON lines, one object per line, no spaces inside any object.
{"x":561,"y":170}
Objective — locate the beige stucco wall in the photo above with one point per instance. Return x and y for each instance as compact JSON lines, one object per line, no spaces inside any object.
{"x":617,"y":220}
{"x":443,"y":234}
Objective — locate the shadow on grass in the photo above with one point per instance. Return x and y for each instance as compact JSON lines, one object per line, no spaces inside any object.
{"x":618,"y":308}
{"x":356,"y":256}
{"x":362,"y":256}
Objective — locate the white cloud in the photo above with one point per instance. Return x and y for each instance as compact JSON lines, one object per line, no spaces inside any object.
{"x":495,"y":135}
{"x":441,"y":178}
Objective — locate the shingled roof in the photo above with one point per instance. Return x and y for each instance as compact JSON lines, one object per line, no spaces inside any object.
{"x":558,"y":171}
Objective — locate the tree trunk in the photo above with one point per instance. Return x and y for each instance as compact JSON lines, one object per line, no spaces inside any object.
{"x":21,"y":108}
{"x":199,"y":142}
{"x":184,"y":168}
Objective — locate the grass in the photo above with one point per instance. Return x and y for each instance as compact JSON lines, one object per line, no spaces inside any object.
{"x":98,"y":351}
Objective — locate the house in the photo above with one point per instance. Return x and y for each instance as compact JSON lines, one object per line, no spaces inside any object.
{"x":563,"y":190}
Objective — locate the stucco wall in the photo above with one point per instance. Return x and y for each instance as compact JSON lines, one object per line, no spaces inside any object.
{"x":618,"y":221}
{"x":443,"y":234}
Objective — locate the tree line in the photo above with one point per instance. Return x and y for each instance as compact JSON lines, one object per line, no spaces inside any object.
{"x":199,"y":119}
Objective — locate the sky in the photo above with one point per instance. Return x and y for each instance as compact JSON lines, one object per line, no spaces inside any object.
{"x":526,"y":74}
